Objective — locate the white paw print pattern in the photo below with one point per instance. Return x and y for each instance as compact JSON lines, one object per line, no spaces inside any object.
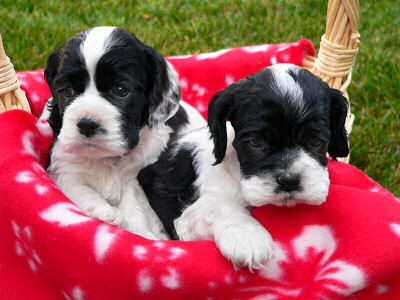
{"x":172,"y":279}
{"x":199,"y":90}
{"x":169,"y":277}
{"x":103,"y":240}
{"x":24,"y":248}
{"x":255,"y":49}
{"x":395,"y":227}
{"x":381,"y":289}
{"x":147,"y":282}
{"x":37,"y":177}
{"x":194,"y":91}
{"x":76,"y":294}
{"x":212,"y":54}
{"x":44,"y":128}
{"x":66,"y":214}
{"x":314,"y":246}
{"x":30,"y":144}
{"x":229,"y":79}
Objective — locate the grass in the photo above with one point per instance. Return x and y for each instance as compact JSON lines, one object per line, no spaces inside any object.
{"x":32,"y":29}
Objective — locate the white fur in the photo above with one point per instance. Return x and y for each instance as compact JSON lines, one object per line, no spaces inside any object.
{"x":285,"y":85}
{"x":95,"y":45}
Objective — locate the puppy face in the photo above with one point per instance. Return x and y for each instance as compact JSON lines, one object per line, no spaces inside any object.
{"x":285,"y":120}
{"x":106,"y":86}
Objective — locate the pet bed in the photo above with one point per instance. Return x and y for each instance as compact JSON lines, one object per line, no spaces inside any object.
{"x":349,"y":247}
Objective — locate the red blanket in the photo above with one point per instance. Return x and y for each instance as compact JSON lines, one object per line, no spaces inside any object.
{"x":349,"y":247}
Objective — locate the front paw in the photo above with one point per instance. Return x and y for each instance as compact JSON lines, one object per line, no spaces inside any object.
{"x":245,"y":245}
{"x":106,"y":213}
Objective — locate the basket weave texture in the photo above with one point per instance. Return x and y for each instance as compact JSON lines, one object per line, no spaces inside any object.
{"x":338,"y":50}
{"x":11,"y":96}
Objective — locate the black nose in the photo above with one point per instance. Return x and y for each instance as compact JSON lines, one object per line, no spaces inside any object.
{"x":88,"y":127}
{"x":288,"y":182}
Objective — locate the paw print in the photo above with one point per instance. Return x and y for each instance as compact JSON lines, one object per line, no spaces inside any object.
{"x":75,"y":294}
{"x":313,"y":252}
{"x":168,"y":277}
{"x":67,"y":214}
{"x":395,"y":227}
{"x":24,"y":248}
{"x":36,"y":176}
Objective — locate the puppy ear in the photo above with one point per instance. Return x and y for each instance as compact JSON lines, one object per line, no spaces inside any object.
{"x":53,"y":111}
{"x":220,"y":108}
{"x":164,"y":92}
{"x":51,"y":68}
{"x":339,"y":144}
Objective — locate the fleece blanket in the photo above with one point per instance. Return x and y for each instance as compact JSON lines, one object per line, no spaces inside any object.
{"x":349,"y":247}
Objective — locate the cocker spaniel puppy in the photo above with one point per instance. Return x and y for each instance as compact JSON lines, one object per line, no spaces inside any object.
{"x":283,"y":121}
{"x":115,"y":107}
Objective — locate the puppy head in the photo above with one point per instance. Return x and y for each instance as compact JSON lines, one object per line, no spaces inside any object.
{"x":285,"y":120}
{"x":106,"y":86}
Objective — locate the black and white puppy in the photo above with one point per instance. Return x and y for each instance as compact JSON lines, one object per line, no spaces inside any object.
{"x":115,"y":106}
{"x":284,"y":121}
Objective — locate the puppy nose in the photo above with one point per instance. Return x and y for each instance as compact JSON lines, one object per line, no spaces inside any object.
{"x":288,"y":182}
{"x":88,"y":126}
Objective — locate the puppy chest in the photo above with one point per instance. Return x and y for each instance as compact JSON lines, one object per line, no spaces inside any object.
{"x":111,"y":183}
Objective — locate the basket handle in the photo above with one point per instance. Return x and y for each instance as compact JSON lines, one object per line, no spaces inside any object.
{"x":338,"y":49}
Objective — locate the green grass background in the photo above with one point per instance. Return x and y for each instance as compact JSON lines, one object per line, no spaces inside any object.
{"x":32,"y":29}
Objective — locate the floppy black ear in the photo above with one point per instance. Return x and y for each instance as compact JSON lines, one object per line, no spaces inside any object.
{"x":164,"y":92}
{"x":339,"y":144}
{"x":220,"y":109}
{"x":51,"y":68}
{"x":52,"y":105}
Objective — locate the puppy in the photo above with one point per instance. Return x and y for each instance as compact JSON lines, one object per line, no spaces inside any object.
{"x":284,"y":120}
{"x":115,"y":106}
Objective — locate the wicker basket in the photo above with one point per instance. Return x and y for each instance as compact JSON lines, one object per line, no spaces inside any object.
{"x":338,"y":50}
{"x":11,"y":96}
{"x":333,"y":64}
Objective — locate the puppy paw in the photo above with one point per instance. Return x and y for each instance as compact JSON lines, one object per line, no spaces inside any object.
{"x":245,"y":245}
{"x":108,"y":214}
{"x":191,"y":227}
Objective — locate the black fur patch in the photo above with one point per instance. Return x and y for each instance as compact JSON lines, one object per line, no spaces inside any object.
{"x":258,"y":112}
{"x":168,"y":184}
{"x":178,"y":121}
{"x":65,"y":68}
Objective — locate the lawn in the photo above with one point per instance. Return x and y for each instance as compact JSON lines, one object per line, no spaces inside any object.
{"x":32,"y":29}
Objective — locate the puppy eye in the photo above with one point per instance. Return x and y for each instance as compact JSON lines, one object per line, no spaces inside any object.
{"x":121,"y":91}
{"x":256,"y":143}
{"x":68,"y":93}
{"x":316,"y":143}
